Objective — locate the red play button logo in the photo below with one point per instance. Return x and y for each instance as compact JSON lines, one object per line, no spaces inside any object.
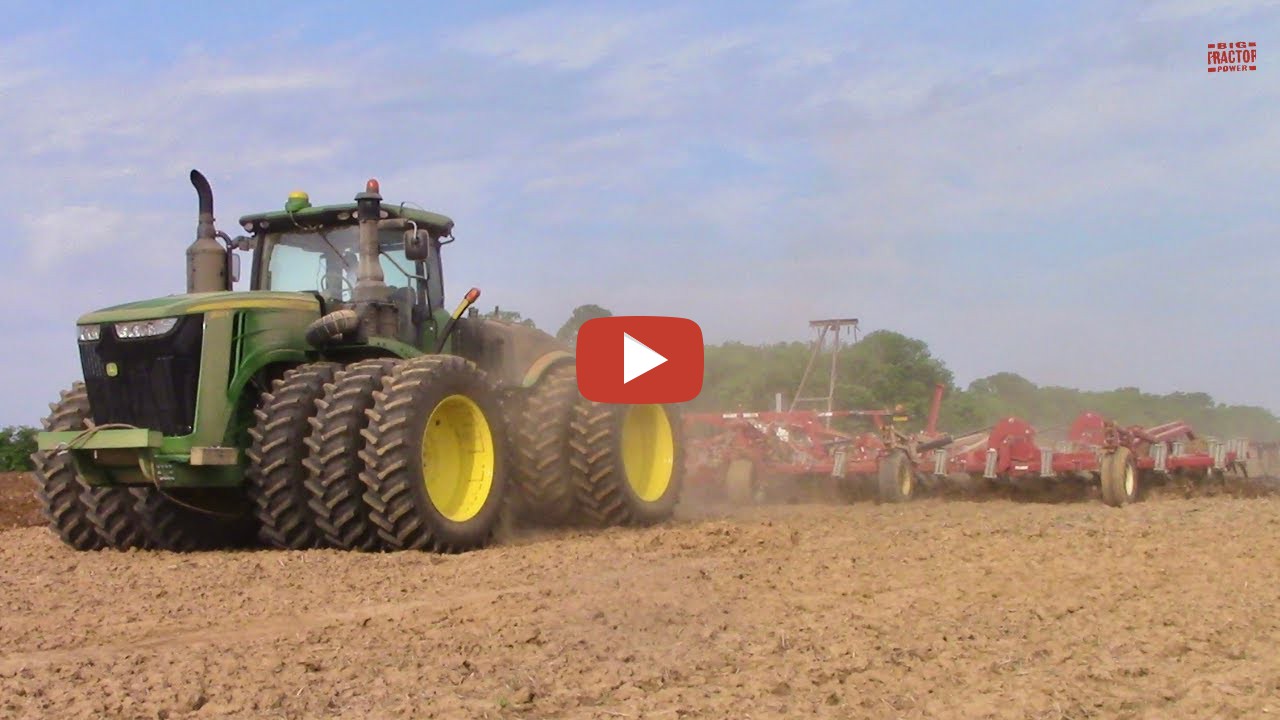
{"x":640,"y":359}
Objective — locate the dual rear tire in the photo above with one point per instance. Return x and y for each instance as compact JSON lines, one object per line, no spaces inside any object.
{"x":627,"y":463}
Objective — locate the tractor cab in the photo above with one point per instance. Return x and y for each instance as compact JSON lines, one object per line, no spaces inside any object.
{"x":317,"y":250}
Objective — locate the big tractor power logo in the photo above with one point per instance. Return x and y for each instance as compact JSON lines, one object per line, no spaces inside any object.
{"x":1233,"y":56}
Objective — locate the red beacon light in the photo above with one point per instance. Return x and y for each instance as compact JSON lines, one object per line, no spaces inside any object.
{"x":371,"y":186}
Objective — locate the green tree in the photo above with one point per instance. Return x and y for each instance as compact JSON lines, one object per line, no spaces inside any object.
{"x":580,"y":315}
{"x":16,"y":446}
{"x":883,"y":370}
{"x":887,"y":368}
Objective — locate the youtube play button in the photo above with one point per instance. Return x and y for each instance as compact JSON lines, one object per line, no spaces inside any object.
{"x":639,"y":359}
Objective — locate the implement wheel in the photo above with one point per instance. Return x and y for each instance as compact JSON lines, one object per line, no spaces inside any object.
{"x":334,"y":464}
{"x":628,"y":462}
{"x":435,"y":456}
{"x":540,"y":432}
{"x":741,"y":485}
{"x":1119,"y":478}
{"x":896,"y":478}
{"x":276,"y":474}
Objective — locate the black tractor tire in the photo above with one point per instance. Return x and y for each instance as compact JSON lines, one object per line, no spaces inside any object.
{"x":276,"y":476}
{"x":115,"y":513}
{"x":1119,"y":478}
{"x":539,"y":425}
{"x":436,"y":456}
{"x":617,"y":487}
{"x":333,"y":462}
{"x":896,"y":481}
{"x":60,"y":491}
{"x":190,"y":520}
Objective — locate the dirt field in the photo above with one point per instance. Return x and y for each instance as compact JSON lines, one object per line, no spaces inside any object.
{"x":939,"y":608}
{"x":18,"y":506}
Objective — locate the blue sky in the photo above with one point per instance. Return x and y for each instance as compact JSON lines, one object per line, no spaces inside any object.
{"x":1059,"y":190}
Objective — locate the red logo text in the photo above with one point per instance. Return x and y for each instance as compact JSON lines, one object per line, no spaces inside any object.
{"x":1233,"y":56}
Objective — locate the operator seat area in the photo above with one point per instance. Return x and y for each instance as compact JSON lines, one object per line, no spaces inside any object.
{"x":405,"y":298}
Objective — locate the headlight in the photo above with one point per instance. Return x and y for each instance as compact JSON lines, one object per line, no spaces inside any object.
{"x":145,"y":328}
{"x":89,"y":333}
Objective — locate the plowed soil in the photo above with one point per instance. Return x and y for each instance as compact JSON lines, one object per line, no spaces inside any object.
{"x":942,"y":608}
{"x":18,"y":506}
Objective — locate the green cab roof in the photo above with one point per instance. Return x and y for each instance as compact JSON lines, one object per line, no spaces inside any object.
{"x":328,"y":215}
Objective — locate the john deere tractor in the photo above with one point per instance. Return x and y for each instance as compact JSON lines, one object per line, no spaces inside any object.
{"x":336,"y":403}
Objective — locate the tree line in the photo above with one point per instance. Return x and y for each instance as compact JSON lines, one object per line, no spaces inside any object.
{"x":886,"y":369}
{"x":882,"y":370}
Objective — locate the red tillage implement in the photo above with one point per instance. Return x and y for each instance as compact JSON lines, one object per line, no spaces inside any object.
{"x":737,"y":454}
{"x":1121,"y":459}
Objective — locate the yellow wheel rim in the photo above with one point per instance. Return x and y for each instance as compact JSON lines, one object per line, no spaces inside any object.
{"x":648,"y":451}
{"x":458,"y":458}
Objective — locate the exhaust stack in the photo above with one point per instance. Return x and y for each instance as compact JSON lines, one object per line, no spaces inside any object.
{"x":206,"y":260}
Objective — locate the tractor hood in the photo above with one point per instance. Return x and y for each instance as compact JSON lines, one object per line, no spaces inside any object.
{"x":189,"y":304}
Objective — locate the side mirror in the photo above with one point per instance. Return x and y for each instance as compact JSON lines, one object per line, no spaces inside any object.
{"x":417,"y":245}
{"x":233,"y":267}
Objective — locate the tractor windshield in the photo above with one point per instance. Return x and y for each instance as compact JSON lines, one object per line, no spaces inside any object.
{"x":325,"y":261}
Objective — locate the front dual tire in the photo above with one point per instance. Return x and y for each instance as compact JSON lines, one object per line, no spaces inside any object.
{"x":89,"y":517}
{"x":381,"y":455}
{"x":435,"y":457}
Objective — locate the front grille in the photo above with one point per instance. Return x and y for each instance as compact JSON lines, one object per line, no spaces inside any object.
{"x":156,"y":378}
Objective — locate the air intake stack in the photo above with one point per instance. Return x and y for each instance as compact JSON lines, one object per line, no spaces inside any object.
{"x":371,"y":294}
{"x":370,"y":283}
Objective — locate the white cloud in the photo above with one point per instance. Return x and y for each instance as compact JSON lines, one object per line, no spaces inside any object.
{"x":282,"y":81}
{"x":53,"y":237}
{"x":749,"y":173}
{"x":564,"y":38}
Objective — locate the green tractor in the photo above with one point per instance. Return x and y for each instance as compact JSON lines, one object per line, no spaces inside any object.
{"x":336,"y":403}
